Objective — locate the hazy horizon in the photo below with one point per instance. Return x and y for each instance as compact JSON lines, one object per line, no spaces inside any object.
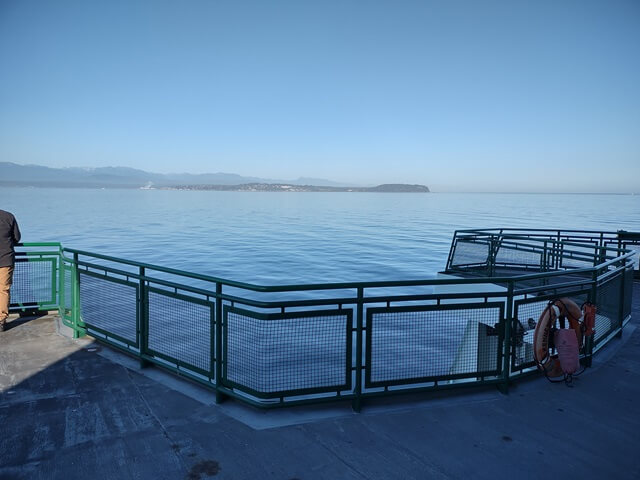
{"x":462,"y":96}
{"x":298,"y":178}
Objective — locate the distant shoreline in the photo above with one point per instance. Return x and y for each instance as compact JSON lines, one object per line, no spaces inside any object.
{"x":295,"y":188}
{"x":245,"y":187}
{"x":280,"y":187}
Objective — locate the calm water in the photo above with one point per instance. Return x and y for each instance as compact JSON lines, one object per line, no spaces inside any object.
{"x":295,"y":237}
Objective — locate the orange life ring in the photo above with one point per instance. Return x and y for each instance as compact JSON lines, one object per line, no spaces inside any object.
{"x":557,"y":309}
{"x":589,"y":313}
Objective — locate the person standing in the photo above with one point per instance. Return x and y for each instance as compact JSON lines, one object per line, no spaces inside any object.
{"x":9,"y":237}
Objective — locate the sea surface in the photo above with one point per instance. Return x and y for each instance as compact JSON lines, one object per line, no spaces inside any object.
{"x":275,"y":238}
{"x":286,"y":238}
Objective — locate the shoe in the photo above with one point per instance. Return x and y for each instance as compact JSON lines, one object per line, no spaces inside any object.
{"x":2,"y":327}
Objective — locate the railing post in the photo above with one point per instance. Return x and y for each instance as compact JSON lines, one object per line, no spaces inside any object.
{"x":451,"y":250}
{"x":603,"y":255}
{"x":547,"y":259}
{"x":75,"y":300}
{"x":356,"y":404}
{"x":592,"y":298}
{"x":61,"y":290}
{"x":55,"y":283}
{"x":506,"y":360}
{"x":492,"y":255}
{"x":220,"y":397}
{"x":143,"y":312}
{"x":621,"y":301}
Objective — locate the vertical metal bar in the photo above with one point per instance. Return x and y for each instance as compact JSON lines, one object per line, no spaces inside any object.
{"x":620,"y":245}
{"x":75,"y":300}
{"x":548,"y":256}
{"x":506,"y":361}
{"x":61,"y":289}
{"x":451,"y":250}
{"x":143,"y":319}
{"x":621,"y":300}
{"x":592,"y":298}
{"x":212,"y":341}
{"x":356,"y":404}
{"x":54,"y":283}
{"x":220,"y":397}
{"x":492,"y":255}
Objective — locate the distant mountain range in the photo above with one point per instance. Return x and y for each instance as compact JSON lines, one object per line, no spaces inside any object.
{"x":12,"y":174}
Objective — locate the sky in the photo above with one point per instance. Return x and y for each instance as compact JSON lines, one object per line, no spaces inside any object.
{"x":534,"y":96}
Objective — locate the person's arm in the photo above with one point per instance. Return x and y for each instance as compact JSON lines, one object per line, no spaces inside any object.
{"x":16,"y":232}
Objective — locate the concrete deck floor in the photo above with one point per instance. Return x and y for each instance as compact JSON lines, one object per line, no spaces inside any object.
{"x":74,"y":409}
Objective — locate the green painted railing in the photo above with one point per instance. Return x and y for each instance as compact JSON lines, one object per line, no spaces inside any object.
{"x":545,"y":248}
{"x":272,"y":346}
{"x":35,"y":285}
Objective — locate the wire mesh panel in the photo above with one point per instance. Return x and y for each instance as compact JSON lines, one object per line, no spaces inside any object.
{"x":636,"y":258}
{"x":628,"y":293}
{"x":519,"y":255}
{"x":110,"y":306}
{"x":416,"y":344}
{"x":34,"y":282}
{"x":526,"y":315}
{"x":577,"y":256}
{"x":609,"y":307}
{"x":468,"y":253}
{"x":181,"y":330}
{"x":66,"y":293}
{"x":67,"y":277}
{"x":268,"y":355}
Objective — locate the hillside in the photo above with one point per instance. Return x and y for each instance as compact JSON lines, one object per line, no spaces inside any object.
{"x":12,"y":174}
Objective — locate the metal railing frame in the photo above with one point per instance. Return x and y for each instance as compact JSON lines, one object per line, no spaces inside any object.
{"x":356,"y":300}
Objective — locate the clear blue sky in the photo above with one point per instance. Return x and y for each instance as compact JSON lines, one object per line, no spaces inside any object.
{"x":458,"y":95}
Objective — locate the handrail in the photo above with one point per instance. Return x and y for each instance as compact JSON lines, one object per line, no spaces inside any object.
{"x":335,"y":285}
{"x":39,"y":244}
{"x":84,"y":283}
{"x":475,"y":230}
